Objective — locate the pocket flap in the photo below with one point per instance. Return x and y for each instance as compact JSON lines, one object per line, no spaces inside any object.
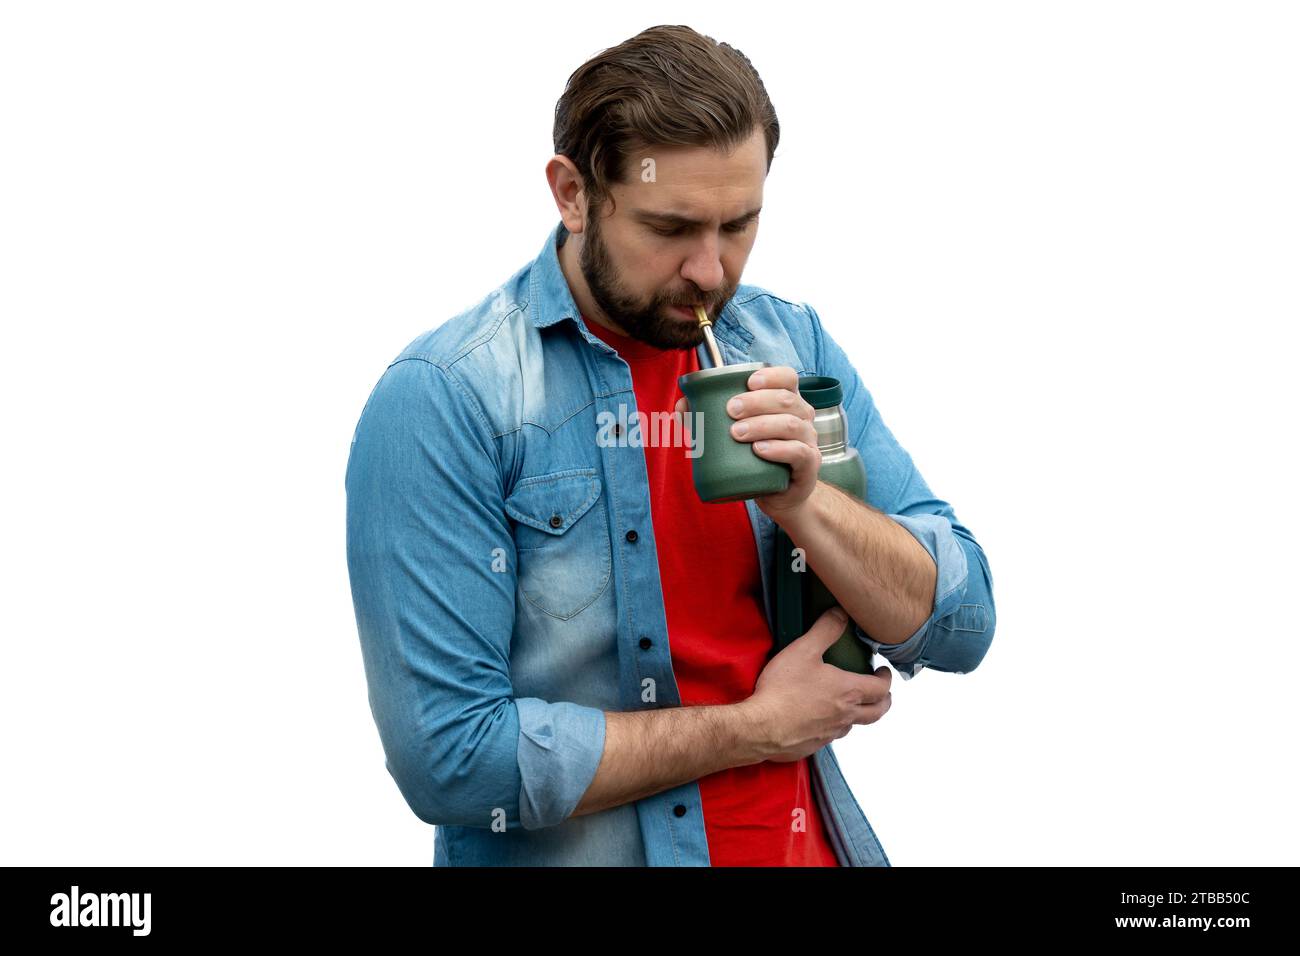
{"x":552,"y":503}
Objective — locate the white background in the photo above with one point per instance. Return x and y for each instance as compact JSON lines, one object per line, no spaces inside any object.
{"x":1059,"y":241}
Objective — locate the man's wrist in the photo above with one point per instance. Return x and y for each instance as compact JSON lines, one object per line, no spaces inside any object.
{"x":795,"y":521}
{"x":752,"y":733}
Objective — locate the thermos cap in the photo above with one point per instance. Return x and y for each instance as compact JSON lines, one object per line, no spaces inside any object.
{"x":821,"y":391}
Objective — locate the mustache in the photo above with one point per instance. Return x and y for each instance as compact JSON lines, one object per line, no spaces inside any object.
{"x":708,"y":305}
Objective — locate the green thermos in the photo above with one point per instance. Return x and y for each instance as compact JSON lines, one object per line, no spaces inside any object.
{"x":801,"y":597}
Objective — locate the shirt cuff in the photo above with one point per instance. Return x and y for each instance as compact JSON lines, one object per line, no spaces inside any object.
{"x":560,"y":746}
{"x":935,"y":534}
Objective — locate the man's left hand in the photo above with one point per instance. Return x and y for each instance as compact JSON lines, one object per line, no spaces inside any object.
{"x":776,"y":419}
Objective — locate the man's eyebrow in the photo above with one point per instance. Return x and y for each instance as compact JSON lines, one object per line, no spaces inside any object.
{"x":674,"y":219}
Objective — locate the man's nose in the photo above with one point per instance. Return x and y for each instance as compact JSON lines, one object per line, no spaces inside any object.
{"x":704,"y":266}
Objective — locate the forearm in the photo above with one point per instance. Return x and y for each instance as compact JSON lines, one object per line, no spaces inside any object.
{"x":650,"y":751}
{"x":875,"y":568}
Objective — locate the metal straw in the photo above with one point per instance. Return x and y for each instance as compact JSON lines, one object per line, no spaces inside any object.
{"x":709,"y":341}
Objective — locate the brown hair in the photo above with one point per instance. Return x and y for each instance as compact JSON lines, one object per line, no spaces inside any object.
{"x":666,"y":86}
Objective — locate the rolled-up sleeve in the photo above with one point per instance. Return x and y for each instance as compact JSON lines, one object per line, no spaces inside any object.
{"x":958,"y":632}
{"x":431,"y":561}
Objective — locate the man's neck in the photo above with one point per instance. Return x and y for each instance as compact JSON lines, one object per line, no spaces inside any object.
{"x":591,"y":312}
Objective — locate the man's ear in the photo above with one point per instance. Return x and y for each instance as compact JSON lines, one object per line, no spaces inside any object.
{"x":568,"y":191}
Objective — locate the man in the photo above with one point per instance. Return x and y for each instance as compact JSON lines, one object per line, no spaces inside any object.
{"x":567,"y":652}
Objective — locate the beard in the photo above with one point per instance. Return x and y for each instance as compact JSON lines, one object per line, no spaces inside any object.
{"x":643,"y":321}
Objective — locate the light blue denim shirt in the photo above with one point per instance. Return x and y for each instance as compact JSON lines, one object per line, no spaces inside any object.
{"x":504,"y":603}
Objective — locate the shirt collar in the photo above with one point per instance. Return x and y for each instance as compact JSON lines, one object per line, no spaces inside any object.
{"x":549,"y":297}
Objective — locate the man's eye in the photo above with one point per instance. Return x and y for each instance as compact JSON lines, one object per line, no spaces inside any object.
{"x":730,"y":227}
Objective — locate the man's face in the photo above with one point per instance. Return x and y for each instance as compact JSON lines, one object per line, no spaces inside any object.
{"x":644,"y":260}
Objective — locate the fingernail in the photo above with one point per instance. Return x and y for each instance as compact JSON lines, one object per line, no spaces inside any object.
{"x":757,"y":380}
{"x":734,"y":406}
{"x":739,"y":429}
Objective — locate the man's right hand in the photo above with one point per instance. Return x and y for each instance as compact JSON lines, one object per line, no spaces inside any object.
{"x":801,"y":703}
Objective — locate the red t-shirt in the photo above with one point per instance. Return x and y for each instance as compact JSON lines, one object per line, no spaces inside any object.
{"x":717,"y":629}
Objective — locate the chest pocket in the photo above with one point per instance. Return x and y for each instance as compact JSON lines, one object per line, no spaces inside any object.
{"x":562,"y":540}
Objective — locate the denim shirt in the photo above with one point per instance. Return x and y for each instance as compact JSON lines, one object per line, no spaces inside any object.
{"x":504,"y":603}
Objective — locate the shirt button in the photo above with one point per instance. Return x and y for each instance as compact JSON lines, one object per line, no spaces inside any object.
{"x":631,"y":535}
{"x":556,"y":521}
{"x":645,"y":643}
{"x":679,"y":810}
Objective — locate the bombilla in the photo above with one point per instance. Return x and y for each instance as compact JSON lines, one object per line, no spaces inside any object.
{"x":709,"y":341}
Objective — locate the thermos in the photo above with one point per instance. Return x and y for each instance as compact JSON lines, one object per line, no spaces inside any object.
{"x":801,"y":597}
{"x":725,"y":469}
